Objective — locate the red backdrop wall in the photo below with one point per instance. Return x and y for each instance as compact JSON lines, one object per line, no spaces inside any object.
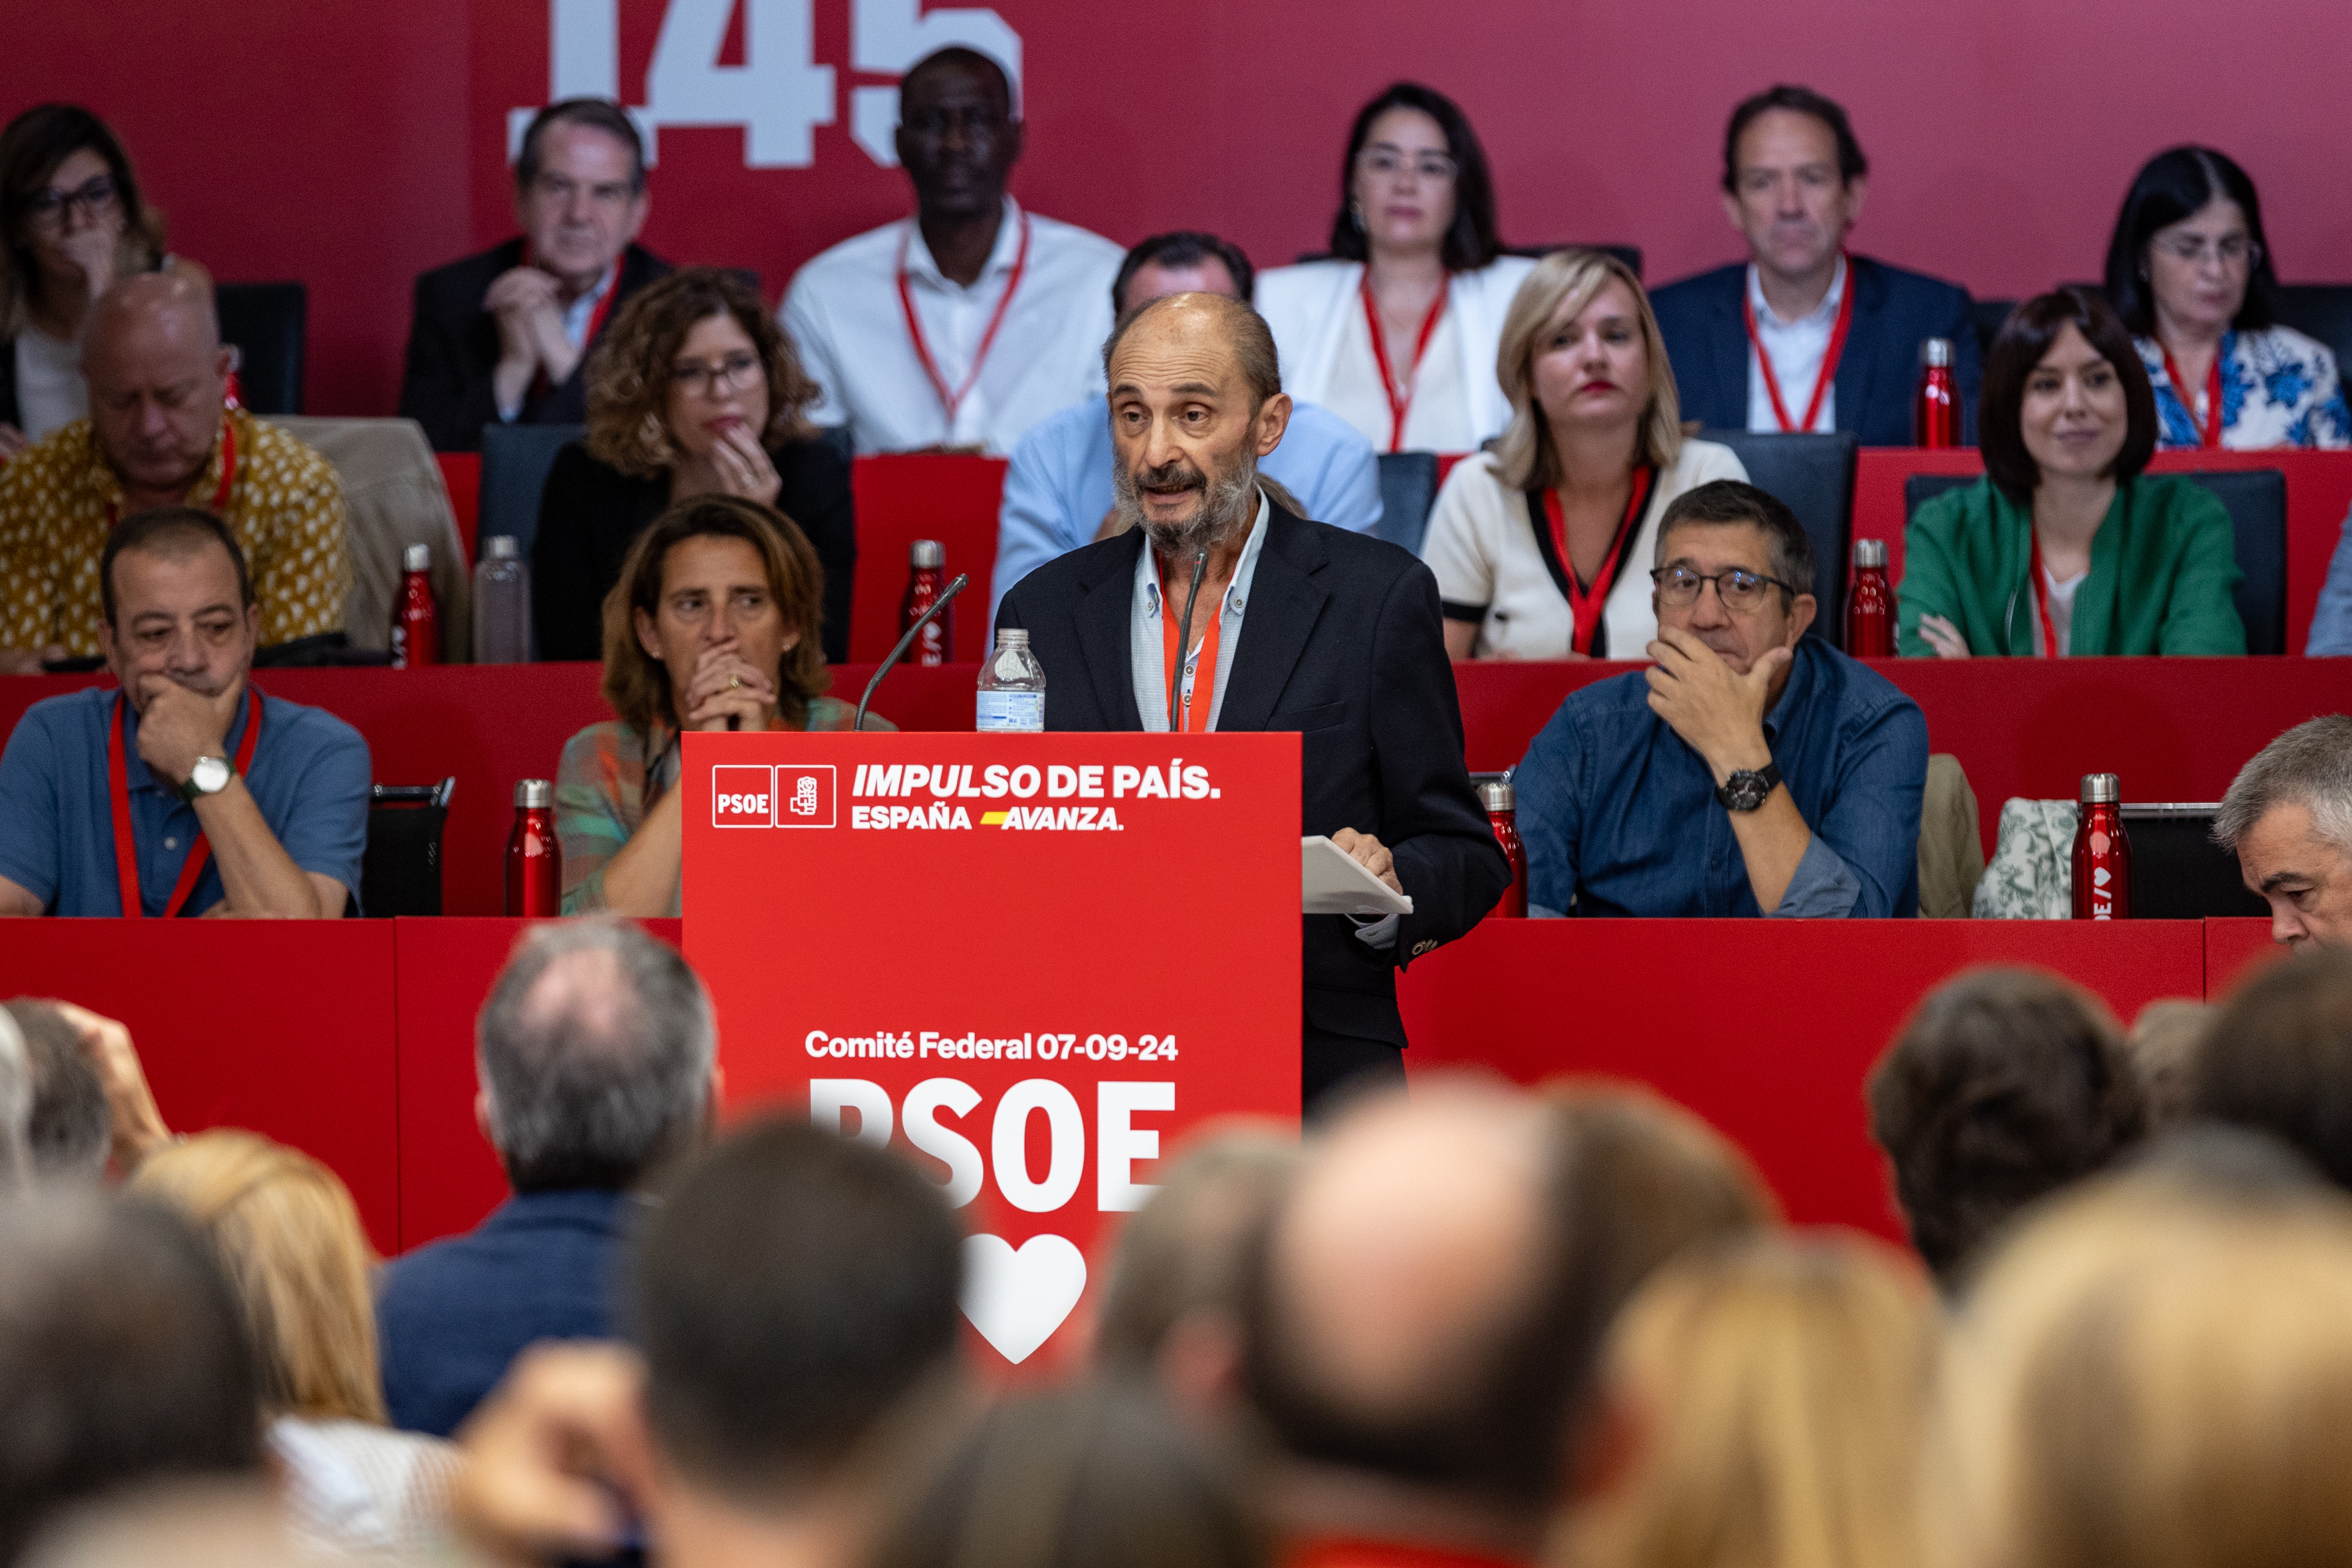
{"x":351,"y":146}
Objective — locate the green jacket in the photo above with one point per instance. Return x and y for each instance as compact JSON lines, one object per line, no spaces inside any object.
{"x":2164,"y":573}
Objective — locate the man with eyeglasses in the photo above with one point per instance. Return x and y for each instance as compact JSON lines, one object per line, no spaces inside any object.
{"x":961,"y":326}
{"x":1750,"y":769}
{"x":502,"y":338}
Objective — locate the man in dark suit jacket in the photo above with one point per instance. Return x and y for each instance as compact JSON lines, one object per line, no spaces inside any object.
{"x":1793,"y":181}
{"x":1342,"y":642}
{"x":503,"y":337}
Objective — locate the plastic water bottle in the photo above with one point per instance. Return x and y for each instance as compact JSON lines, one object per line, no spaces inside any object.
{"x":534,"y":857}
{"x":2102,"y":852}
{"x":501,"y":603}
{"x":1011,"y":686}
{"x":416,"y":618}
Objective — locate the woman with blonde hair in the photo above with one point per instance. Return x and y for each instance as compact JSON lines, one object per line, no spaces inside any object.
{"x":1779,"y":1385}
{"x":1542,"y":548}
{"x":289,"y":1240}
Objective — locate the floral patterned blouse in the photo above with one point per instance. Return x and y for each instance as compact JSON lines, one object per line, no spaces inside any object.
{"x":2279,"y":388}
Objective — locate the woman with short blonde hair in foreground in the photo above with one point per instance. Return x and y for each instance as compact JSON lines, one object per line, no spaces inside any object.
{"x":289,"y":1240}
{"x":2150,"y":1376}
{"x":1775,"y":1389}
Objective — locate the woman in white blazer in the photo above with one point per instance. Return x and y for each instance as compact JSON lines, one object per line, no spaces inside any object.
{"x":1542,"y":548}
{"x":1396,"y":333}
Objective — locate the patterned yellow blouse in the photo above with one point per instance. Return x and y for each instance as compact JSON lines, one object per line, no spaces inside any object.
{"x":285,"y":508}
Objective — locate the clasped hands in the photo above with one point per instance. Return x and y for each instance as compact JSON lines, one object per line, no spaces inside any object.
{"x":1717,"y":712}
{"x":530,"y":325}
{"x":723,"y":684}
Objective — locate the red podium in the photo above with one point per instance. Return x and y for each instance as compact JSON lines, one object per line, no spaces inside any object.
{"x":1031,"y":960}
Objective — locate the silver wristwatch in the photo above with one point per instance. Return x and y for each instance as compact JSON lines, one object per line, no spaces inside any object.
{"x":210,"y":775}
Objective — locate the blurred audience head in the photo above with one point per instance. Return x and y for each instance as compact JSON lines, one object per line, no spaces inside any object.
{"x":178,"y":601}
{"x":1415,"y":179}
{"x":2163,"y":1043}
{"x":15,"y":1107}
{"x":1580,"y":352}
{"x":688,"y":360}
{"x":1423,"y":1321}
{"x":63,"y":176}
{"x":289,"y":1237}
{"x":158,"y":374}
{"x":1793,"y":180}
{"x":2065,"y":394}
{"x":1185,"y":261}
{"x":1172,"y":1305}
{"x":70,"y":1127}
{"x":1184,"y":459}
{"x":183,"y":1524}
{"x":2004,"y":1086}
{"x":580,"y":190}
{"x":2288,"y":817}
{"x":2189,"y":253}
{"x":713,"y":569}
{"x":122,"y":1357}
{"x":596,"y":1054}
{"x":959,"y":133}
{"x":1779,"y":1385}
{"x":2156,"y":1371}
{"x":2277,"y":1059}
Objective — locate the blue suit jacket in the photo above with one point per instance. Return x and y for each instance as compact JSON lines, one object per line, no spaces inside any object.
{"x":1879,"y":374}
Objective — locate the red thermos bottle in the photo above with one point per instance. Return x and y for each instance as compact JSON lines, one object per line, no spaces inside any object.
{"x":416,"y":619}
{"x":927,"y":570}
{"x":534,"y":859}
{"x":1869,"y":605}
{"x":1502,"y":802}
{"x":1935,"y":415}
{"x":2102,"y":852}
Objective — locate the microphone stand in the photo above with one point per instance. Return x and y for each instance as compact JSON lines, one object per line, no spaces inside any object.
{"x":962,"y":582}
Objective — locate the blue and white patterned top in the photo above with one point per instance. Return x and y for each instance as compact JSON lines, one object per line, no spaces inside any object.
{"x":2279,"y":388}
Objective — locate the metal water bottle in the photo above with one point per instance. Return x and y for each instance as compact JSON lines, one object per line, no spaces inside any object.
{"x":1935,"y":412}
{"x":416,"y":619}
{"x":2102,"y":852}
{"x":534,"y":859}
{"x":1501,"y":800}
{"x":926,"y":572}
{"x":1869,"y":605}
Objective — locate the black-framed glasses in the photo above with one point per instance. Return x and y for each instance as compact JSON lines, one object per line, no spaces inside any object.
{"x":733,"y":374}
{"x":1679,"y":586}
{"x":94,"y":196}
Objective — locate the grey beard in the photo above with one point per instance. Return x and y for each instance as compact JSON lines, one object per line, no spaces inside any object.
{"x":1227,"y":508}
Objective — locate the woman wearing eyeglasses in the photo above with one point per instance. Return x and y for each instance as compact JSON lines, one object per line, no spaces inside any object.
{"x":72,"y":221}
{"x":1395,"y":332}
{"x":2189,"y":274}
{"x":694,"y":390}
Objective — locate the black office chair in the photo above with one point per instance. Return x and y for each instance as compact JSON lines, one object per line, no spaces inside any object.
{"x":515,"y":461}
{"x":1814,"y":472}
{"x":1408,"y":491}
{"x":400,"y":872}
{"x":268,"y":322}
{"x":2321,"y":310}
{"x":2178,"y":873}
{"x":836,"y":436}
{"x":2256,"y":500}
{"x":1989,"y":315}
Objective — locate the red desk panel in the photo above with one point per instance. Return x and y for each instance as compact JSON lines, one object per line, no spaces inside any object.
{"x":1765,"y":1028}
{"x":285,"y":1027}
{"x":2235,"y":950}
{"x":926,"y":496}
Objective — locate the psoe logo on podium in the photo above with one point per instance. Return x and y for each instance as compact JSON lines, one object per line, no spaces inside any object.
{"x":742,"y":797}
{"x":805,"y":795}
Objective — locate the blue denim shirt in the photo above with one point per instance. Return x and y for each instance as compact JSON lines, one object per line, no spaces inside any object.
{"x":2331,"y":622}
{"x":1619,"y":818}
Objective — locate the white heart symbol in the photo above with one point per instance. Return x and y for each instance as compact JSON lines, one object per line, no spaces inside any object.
{"x":1017,"y":1299}
{"x":2099,"y":876}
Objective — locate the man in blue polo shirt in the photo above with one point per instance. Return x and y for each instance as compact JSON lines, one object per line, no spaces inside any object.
{"x":174,"y":792}
{"x":1057,"y":491}
{"x":1750,"y":769}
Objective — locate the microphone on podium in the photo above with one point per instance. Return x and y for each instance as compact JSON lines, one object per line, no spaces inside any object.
{"x":946,"y":598}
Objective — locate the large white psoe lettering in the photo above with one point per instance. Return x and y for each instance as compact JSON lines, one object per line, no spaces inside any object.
{"x":1118,"y":1142}
{"x":778,"y":95}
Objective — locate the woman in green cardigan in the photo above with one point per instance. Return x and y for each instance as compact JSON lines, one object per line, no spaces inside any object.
{"x":2064,"y":545}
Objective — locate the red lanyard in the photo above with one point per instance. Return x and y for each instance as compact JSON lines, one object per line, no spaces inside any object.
{"x":952,"y":401}
{"x":1195,"y":714}
{"x":126,"y":855}
{"x":220,"y":491}
{"x":1821,"y":382}
{"x":2209,"y":428}
{"x":2041,"y":603}
{"x":1400,"y":406}
{"x":1585,"y":604}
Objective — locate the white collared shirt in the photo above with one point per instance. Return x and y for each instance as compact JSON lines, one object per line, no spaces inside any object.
{"x":1797,"y":348}
{"x":1146,"y":640}
{"x":582,"y":311}
{"x":847,"y":323}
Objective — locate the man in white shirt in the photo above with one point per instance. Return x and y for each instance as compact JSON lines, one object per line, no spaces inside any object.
{"x":961,"y":327}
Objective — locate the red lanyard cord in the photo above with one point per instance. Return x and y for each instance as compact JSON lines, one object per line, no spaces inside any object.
{"x":1821,"y":382}
{"x":2041,"y":603}
{"x":2208,"y":429}
{"x":1585,"y":605}
{"x":1401,"y":404}
{"x":126,"y":854}
{"x":1196,"y":703}
{"x":952,"y":401}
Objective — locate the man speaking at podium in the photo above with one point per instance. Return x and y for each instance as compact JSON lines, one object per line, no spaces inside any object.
{"x":1294,"y":626}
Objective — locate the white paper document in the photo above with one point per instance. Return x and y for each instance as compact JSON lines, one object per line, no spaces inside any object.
{"x":1337,"y":883}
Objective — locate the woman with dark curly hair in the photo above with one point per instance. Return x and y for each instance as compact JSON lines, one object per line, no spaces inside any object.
{"x":693,"y":391}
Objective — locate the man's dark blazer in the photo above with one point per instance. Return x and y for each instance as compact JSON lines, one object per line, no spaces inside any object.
{"x":1341,"y":640}
{"x":1877,"y":376}
{"x":452,"y":348}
